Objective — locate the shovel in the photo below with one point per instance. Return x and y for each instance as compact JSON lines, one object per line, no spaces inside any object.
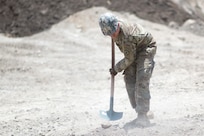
{"x":111,"y":114}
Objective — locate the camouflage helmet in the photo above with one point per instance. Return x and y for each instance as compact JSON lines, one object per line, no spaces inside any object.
{"x":108,"y":23}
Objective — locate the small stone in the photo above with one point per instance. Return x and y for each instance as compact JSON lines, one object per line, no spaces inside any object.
{"x":150,"y":115}
{"x":105,"y":126}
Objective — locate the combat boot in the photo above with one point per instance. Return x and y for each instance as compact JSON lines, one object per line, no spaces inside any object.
{"x":142,"y":120}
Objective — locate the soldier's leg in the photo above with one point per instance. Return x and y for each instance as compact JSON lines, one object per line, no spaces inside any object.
{"x":145,"y":65}
{"x":130,"y":80}
{"x":144,"y":73}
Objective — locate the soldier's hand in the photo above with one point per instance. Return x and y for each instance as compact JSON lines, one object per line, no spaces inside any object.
{"x":112,"y":72}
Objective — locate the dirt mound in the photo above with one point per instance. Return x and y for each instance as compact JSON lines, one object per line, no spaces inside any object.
{"x":194,"y":26}
{"x":193,"y":7}
{"x":23,"y":18}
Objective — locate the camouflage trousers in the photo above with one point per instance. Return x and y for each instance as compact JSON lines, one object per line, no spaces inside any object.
{"x":137,"y":79}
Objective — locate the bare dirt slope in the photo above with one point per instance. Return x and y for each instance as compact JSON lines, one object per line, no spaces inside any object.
{"x":54,"y":83}
{"x":22,"y":17}
{"x":193,"y":7}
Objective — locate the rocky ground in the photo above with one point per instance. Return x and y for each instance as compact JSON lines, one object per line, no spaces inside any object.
{"x":54,"y":83}
{"x":54,"y":73}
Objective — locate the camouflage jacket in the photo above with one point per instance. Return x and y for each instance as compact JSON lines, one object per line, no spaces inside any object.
{"x":131,"y":39}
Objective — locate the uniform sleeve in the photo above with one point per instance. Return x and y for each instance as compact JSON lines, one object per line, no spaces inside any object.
{"x":129,"y":49}
{"x":129,"y":57}
{"x":142,"y":39}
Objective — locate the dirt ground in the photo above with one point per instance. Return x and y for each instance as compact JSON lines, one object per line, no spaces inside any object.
{"x":54,"y":83}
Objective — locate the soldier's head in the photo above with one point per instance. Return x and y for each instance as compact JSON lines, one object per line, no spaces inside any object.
{"x":108,"y":24}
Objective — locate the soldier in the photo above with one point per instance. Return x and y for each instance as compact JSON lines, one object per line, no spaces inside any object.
{"x":139,"y":48}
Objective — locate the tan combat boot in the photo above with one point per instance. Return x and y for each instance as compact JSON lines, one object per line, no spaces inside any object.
{"x":142,"y":120}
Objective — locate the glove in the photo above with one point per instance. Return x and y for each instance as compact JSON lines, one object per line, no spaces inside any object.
{"x":112,"y":72}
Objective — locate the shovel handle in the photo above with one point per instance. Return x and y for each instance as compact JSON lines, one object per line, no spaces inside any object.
{"x":112,"y":66}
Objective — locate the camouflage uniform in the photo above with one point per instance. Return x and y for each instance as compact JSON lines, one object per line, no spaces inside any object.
{"x":138,"y":47}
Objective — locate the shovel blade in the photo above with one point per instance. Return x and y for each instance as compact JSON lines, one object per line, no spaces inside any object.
{"x":111,"y":115}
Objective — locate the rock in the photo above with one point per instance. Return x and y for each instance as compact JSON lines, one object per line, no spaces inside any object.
{"x":173,"y":24}
{"x":105,"y":126}
{"x":150,"y":115}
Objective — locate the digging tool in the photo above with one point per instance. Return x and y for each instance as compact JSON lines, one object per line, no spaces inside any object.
{"x":111,"y":114}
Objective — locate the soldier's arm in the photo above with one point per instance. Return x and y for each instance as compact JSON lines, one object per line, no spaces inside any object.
{"x":142,"y":38}
{"x":128,"y":59}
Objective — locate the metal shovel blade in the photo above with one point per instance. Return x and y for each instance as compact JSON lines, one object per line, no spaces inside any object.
{"x":111,"y":114}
